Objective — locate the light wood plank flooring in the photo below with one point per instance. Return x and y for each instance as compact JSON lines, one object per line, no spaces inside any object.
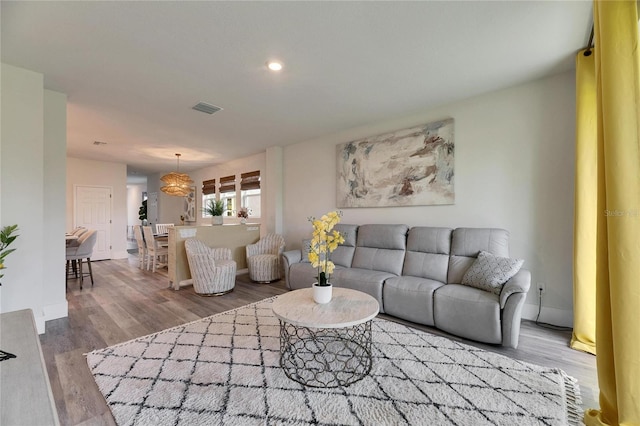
{"x":126,"y":303}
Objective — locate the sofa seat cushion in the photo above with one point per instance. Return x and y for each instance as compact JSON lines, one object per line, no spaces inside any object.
{"x":364,"y":280}
{"x":468,"y":312}
{"x":410,"y":298}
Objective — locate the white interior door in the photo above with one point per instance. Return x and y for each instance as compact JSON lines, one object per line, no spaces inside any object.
{"x":93,"y":211}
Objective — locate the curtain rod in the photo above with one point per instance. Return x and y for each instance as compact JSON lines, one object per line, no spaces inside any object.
{"x":590,"y":44}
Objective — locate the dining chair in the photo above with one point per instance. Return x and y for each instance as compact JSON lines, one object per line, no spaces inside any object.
{"x":155,"y":252}
{"x":142,"y":248}
{"x":163,"y":228}
{"x":82,"y":251}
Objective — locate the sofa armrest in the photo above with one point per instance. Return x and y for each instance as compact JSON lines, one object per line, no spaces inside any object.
{"x":519,"y":283}
{"x":289,"y":258}
{"x":292,"y":256}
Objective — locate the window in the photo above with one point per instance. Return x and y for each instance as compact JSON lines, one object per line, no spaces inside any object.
{"x":228,"y":194}
{"x":250,"y":192}
{"x":208,"y":193}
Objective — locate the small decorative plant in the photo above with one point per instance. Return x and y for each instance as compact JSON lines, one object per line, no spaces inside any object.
{"x":244,"y":212}
{"x":214,"y":208}
{"x":323,"y":243}
{"x":142,"y":211}
{"x":6,"y":238}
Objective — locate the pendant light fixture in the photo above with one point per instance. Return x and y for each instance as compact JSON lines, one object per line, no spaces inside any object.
{"x":178,"y":184}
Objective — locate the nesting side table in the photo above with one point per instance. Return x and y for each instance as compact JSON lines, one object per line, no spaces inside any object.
{"x":325,"y":345}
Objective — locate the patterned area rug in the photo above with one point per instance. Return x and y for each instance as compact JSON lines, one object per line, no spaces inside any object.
{"x":224,"y":370}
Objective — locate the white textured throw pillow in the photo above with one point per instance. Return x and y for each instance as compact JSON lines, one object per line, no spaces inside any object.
{"x":489,"y":272}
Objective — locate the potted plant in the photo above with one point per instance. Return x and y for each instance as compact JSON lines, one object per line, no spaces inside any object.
{"x":243,"y":214}
{"x":215,"y":208}
{"x":6,"y":238}
{"x":142,"y":212}
{"x":323,"y":243}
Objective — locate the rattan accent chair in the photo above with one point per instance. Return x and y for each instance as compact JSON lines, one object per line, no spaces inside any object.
{"x":212,"y":270}
{"x":263,"y":258}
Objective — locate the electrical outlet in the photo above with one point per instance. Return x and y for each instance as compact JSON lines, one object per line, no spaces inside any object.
{"x":542,"y":287}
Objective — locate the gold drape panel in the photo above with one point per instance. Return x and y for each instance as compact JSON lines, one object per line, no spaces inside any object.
{"x":586,"y":207}
{"x":618,"y":231}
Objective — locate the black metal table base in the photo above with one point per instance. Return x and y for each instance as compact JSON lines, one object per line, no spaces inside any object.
{"x":325,"y":357}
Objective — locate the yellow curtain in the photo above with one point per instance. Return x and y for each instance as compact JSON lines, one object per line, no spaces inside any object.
{"x":586,"y":207}
{"x":618,"y":232}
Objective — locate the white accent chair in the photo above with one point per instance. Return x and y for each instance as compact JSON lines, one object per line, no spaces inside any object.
{"x":83,"y":250}
{"x":142,"y":247}
{"x":263,"y":258}
{"x":156,"y":255}
{"x":212,"y":270}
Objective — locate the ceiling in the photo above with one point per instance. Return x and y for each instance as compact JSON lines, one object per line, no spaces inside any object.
{"x":133,"y":70}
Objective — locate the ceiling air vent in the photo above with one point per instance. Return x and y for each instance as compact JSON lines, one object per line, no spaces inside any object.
{"x":207,"y":108}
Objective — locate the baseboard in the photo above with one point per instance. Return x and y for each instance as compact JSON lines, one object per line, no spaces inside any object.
{"x":562,"y":317}
{"x":51,"y":312}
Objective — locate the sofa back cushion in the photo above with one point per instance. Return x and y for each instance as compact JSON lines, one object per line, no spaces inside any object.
{"x":428,"y":253}
{"x":381,"y":248}
{"x":343,"y":254}
{"x":466,"y":244}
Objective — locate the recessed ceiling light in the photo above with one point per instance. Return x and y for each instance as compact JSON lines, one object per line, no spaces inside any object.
{"x":274,"y":65}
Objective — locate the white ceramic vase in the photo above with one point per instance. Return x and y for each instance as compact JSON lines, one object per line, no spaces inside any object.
{"x":322,"y":294}
{"x":216,"y":220}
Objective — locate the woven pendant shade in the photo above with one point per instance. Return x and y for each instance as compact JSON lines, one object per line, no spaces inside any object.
{"x":177,"y":184}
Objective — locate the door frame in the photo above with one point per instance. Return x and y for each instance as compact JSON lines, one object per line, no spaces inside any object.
{"x":75,"y":209}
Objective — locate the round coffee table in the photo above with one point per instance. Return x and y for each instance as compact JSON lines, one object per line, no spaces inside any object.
{"x":325,"y":345}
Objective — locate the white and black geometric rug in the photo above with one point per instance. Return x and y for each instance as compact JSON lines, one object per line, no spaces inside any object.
{"x":224,"y":370}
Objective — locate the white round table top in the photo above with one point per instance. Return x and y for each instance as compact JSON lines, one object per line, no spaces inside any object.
{"x":347,"y":308}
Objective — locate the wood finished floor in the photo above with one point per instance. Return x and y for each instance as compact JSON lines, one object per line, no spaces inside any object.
{"x":126,"y":303}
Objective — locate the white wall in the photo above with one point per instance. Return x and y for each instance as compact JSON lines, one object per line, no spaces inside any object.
{"x":55,"y":172}
{"x":514,"y":165}
{"x":33,"y":127}
{"x":102,"y":173}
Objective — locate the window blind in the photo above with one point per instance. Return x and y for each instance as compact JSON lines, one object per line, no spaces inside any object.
{"x":209,"y":187}
{"x":227,"y":184}
{"x":250,"y":180}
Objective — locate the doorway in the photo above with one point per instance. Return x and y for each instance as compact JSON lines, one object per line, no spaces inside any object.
{"x":92,"y":210}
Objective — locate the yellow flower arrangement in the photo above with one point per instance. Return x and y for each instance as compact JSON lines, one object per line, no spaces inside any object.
{"x":323,"y":242}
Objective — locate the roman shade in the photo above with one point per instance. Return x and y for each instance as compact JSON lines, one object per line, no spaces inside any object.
{"x":209,"y":187}
{"x":227,"y":184}
{"x":250,"y":180}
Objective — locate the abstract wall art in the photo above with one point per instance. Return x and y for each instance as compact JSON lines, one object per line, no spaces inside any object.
{"x":190,"y":206}
{"x":410,"y":167}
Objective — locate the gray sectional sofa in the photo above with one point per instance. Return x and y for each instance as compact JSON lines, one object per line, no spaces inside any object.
{"x":416,"y":274}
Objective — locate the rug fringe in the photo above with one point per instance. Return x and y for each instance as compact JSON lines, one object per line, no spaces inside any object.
{"x":117,"y":345}
{"x":573,"y":399}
